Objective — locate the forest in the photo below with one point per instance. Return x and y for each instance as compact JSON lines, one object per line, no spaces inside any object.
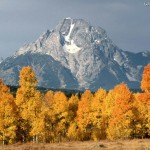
{"x":32,"y":115}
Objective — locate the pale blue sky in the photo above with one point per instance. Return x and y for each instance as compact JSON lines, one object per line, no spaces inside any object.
{"x":127,"y":22}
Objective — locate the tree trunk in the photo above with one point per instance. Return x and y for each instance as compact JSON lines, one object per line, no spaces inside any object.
{"x":36,"y":138}
{"x":3,"y":138}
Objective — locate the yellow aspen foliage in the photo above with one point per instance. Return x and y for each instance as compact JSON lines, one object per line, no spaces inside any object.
{"x":73,"y":132}
{"x":83,"y":118}
{"x":35,"y":118}
{"x":59,"y":115}
{"x":120,"y":119}
{"x":26,"y":91}
{"x":27,"y":78}
{"x":73,"y":106}
{"x":7,"y":115}
{"x":48,"y":98}
{"x":145,"y":83}
{"x":109,"y":103}
{"x":55,"y":115}
{"x":97,"y":107}
{"x":142,"y":115}
{"x":60,"y":103}
{"x":97,"y":115}
{"x":29,"y":102}
{"x":46,"y":115}
{"x":39,"y":124}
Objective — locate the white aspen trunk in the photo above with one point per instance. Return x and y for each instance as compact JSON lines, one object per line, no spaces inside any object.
{"x":36,"y":138}
{"x":3,"y":138}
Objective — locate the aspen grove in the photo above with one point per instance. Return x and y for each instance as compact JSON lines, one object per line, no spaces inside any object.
{"x":49,"y":117}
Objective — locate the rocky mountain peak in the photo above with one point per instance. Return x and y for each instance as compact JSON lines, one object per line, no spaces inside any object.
{"x":76,"y":54}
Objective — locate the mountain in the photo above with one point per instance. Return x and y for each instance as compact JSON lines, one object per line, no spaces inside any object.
{"x":76,"y":55}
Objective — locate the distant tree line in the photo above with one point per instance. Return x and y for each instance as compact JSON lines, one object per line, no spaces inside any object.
{"x":31,"y":115}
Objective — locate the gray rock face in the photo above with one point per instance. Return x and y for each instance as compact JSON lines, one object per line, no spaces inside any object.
{"x":76,"y":55}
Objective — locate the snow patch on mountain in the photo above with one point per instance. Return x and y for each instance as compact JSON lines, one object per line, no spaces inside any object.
{"x":67,"y":38}
{"x":130,"y":77}
{"x":71,"y":47}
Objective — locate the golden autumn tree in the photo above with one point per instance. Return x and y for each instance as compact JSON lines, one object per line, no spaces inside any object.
{"x":73,"y":107}
{"x":35,"y":108}
{"x":145,"y":83}
{"x":47,"y":114}
{"x":141,"y":112}
{"x":97,"y":115}
{"x":59,"y":116}
{"x":7,"y":115}
{"x":108,"y":105}
{"x":48,"y":98}
{"x":121,"y":115}
{"x":83,"y":118}
{"x":142,"y":106}
{"x":29,"y":104}
{"x":56,"y":116}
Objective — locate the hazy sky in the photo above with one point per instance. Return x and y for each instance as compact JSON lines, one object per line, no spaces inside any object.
{"x":127,"y":22}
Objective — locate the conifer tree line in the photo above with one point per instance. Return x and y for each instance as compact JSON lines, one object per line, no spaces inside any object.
{"x":53,"y":117}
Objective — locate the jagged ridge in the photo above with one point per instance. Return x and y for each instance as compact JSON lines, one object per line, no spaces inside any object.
{"x":76,"y":55}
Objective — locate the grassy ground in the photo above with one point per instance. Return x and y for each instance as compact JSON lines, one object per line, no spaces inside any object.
{"x":87,"y":145}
